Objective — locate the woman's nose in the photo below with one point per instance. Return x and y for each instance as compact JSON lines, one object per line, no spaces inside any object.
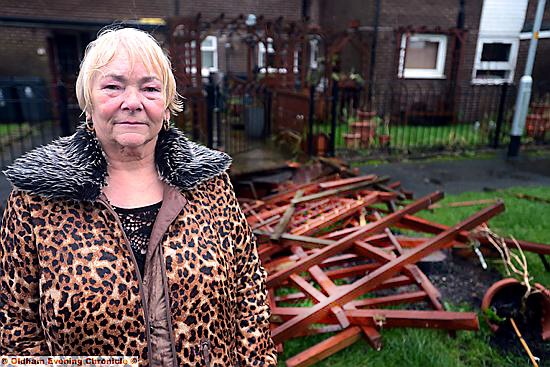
{"x":132,"y":100}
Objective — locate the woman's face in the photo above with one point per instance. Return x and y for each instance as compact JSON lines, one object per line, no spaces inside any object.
{"x":128,"y":105}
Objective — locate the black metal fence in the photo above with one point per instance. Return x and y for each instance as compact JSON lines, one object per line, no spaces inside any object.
{"x":408,"y":117}
{"x":30,"y":116}
{"x":388,"y":118}
{"x":239,"y":115}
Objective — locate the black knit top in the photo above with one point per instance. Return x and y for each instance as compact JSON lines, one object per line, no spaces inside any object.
{"x":138,"y":224}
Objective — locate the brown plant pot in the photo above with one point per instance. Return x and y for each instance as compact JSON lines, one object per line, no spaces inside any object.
{"x":366,"y":129}
{"x":365,"y":115}
{"x":320,"y":144}
{"x":506,"y":296}
{"x":352,"y":141}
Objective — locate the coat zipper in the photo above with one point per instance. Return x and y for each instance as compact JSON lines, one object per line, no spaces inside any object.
{"x":167,"y":302}
{"x":168,"y":307}
{"x":205,"y":350}
{"x":140,"y":280}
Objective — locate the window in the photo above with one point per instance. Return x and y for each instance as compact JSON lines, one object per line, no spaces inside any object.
{"x":314,"y":53}
{"x":495,"y":61}
{"x":209,"y":55}
{"x":264,"y":60}
{"x":422,"y":56}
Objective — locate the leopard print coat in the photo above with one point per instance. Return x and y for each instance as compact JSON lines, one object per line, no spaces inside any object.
{"x":68,"y":285}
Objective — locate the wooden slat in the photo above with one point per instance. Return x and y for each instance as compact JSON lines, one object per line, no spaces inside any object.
{"x":348,"y":241}
{"x":338,"y":191}
{"x":373,"y":337}
{"x":386,"y":271}
{"x":326,"y":348}
{"x":415,"y":319}
{"x":394,"y":299}
{"x":326,"y":284}
{"x":285,"y":220}
{"x":345,"y":181}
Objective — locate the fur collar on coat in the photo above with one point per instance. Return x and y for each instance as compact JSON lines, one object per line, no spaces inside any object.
{"x":75,"y":167}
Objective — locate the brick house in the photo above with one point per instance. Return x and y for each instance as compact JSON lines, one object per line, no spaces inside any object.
{"x":415,"y":39}
{"x":493,"y":33}
{"x":50,"y":37}
{"x":42,"y":43}
{"x":416,"y":42}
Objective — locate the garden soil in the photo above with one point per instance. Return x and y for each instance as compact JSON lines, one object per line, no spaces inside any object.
{"x":463,"y":280}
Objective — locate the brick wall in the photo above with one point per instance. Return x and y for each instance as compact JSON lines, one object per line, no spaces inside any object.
{"x":18,"y":44}
{"x":542,"y":59}
{"x":414,"y":13}
{"x":532,"y":9}
{"x":109,"y":11}
{"x":335,"y":17}
{"x":88,"y":10}
{"x":271,"y":9}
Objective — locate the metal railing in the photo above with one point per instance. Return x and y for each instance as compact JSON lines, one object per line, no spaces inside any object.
{"x":238,"y":115}
{"x":409,"y":117}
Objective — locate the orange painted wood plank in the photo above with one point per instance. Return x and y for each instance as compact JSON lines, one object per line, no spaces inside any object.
{"x":326,"y":348}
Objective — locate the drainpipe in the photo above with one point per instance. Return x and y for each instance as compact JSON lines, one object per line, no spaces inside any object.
{"x":457,"y":51}
{"x":525,"y":86}
{"x":373,"y":50}
{"x":305,"y":9}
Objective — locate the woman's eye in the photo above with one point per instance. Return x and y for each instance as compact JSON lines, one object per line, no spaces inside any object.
{"x":152,"y":89}
{"x":111,"y":86}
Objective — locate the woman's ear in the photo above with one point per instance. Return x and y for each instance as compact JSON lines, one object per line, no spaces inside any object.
{"x":167,"y":115}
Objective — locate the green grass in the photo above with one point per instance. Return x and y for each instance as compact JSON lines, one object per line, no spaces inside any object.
{"x":448,"y":136}
{"x":524,"y":219}
{"x":14,"y":129}
{"x":414,"y":347}
{"x":409,"y":137}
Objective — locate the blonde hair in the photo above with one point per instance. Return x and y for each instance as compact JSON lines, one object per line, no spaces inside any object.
{"x":140,"y":46}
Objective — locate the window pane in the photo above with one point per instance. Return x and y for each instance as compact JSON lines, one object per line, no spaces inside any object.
{"x":207,"y":59}
{"x":496,"y":52}
{"x":421,"y":55}
{"x":208,"y":42}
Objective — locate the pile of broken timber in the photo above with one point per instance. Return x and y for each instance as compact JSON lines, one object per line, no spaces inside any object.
{"x":337,"y":254}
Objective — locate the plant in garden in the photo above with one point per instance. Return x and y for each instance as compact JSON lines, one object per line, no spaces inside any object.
{"x":515,"y":264}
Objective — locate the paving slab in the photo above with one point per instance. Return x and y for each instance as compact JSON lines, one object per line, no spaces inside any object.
{"x":462,"y":175}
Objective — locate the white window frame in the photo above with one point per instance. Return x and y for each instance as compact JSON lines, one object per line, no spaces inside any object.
{"x":314,"y":53}
{"x":262,"y":52}
{"x":262,"y":59}
{"x":214,"y":49}
{"x":411,"y":73}
{"x":495,"y":65}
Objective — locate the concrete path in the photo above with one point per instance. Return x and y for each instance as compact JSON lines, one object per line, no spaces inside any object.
{"x":461,"y":175}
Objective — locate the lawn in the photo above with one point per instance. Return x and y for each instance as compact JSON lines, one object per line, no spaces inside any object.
{"x":14,"y":129}
{"x":524,"y":219}
{"x":410,"y":138}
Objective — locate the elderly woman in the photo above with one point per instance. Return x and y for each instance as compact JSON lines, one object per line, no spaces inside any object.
{"x":126,"y":238}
